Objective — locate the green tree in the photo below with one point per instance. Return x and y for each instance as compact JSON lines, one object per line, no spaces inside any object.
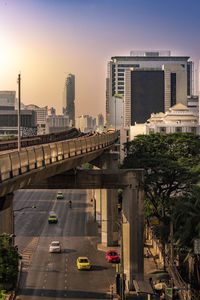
{"x":171,"y":165}
{"x":9,"y":259}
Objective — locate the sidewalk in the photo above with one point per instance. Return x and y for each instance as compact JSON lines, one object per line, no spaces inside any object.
{"x":151,"y":264}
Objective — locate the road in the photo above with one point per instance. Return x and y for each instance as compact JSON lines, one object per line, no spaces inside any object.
{"x":54,"y":275}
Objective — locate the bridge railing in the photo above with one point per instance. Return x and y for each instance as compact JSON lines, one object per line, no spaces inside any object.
{"x":15,"y":163}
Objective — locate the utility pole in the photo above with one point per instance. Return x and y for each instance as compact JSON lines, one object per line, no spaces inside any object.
{"x":19,"y":115}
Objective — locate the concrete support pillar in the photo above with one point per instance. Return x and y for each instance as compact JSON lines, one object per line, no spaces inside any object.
{"x":6,"y":214}
{"x":109,"y":226}
{"x":133,"y":235}
{"x":109,"y":201}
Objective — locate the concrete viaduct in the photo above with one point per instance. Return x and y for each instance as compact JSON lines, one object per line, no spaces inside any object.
{"x":64,"y":174}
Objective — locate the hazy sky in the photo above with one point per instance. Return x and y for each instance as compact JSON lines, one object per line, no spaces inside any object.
{"x":47,"y":39}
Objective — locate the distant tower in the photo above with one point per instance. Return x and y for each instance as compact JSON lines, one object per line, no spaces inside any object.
{"x":69,"y":98}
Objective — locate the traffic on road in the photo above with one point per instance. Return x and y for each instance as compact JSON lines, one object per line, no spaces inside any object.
{"x":57,"y":244}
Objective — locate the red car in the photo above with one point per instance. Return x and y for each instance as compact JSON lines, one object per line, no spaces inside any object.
{"x":112,"y":256}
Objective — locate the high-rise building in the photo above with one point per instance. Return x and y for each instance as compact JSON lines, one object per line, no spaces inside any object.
{"x":100,"y":120}
{"x":115,"y":81}
{"x":69,"y":99}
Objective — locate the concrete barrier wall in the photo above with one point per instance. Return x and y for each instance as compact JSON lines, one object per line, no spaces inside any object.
{"x":12,"y":164}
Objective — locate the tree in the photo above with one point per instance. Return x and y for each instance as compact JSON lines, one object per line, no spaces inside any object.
{"x":171,"y":167}
{"x":171,"y":164}
{"x":9,"y":259}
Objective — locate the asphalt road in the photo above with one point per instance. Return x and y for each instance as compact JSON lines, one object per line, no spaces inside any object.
{"x":54,"y":275}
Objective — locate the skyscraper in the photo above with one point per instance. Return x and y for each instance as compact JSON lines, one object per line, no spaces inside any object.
{"x":69,"y":98}
{"x":117,"y":66}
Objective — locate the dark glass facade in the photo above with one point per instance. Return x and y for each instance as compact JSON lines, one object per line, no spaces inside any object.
{"x":147,"y":94}
{"x":10,"y":119}
{"x":173,"y":89}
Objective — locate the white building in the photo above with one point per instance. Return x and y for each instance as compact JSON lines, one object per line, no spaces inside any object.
{"x":85,"y":123}
{"x":178,"y":118}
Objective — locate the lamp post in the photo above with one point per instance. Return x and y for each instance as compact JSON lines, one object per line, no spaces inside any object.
{"x":19,"y":118}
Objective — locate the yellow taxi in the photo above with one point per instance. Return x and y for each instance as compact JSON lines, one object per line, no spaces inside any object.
{"x":52,"y":217}
{"x":83,"y":263}
{"x":60,"y":195}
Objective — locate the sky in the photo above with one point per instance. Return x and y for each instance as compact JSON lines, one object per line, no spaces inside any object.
{"x":45,"y":40}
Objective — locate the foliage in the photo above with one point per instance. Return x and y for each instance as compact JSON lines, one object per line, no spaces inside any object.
{"x":186,"y":219}
{"x":88,"y":166}
{"x":170,"y":162}
{"x":8,"y":137}
{"x":9,"y":259}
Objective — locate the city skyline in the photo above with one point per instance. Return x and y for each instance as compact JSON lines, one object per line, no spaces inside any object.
{"x":46,"y":41}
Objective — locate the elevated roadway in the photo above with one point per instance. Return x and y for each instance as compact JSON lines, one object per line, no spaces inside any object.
{"x":31,"y":165}
{"x":38,"y":166}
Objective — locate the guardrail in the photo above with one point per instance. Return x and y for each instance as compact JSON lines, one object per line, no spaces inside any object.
{"x":15,"y":163}
{"x":26,"y":141}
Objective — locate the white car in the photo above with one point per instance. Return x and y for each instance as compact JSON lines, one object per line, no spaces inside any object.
{"x":55,"y":247}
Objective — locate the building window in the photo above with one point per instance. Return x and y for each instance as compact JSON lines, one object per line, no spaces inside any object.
{"x":173,"y":89}
{"x":120,"y":70}
{"x":193,"y":130}
{"x":120,"y":74}
{"x":178,"y":129}
{"x":162,"y":129}
{"x":120,"y":79}
{"x":120,"y":87}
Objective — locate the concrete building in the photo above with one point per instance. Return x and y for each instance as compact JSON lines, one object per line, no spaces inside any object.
{"x":7,"y":100}
{"x":155,"y":90}
{"x":85,"y":123}
{"x":41,"y":115}
{"x":57,"y":123}
{"x":193,"y":104}
{"x":69,"y":99}
{"x":116,"y":68}
{"x":100,"y":120}
{"x":9,"y":122}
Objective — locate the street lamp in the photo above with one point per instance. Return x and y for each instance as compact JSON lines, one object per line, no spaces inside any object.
{"x":19,"y":118}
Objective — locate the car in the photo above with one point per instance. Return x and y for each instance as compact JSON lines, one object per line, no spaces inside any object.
{"x":83,"y":263}
{"x":112,"y":256}
{"x":60,"y":195}
{"x":52,"y":218}
{"x":55,"y":247}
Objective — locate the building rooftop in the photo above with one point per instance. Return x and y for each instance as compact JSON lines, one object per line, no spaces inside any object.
{"x":153,"y":58}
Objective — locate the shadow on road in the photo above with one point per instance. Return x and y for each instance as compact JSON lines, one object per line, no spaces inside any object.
{"x":64,"y":294}
{"x":98,"y":268}
{"x":68,"y":251}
